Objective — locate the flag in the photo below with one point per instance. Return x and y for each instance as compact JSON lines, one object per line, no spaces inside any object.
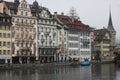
{"x":93,"y":37}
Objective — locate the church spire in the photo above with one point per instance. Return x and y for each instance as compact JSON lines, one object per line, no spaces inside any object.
{"x":110,"y":24}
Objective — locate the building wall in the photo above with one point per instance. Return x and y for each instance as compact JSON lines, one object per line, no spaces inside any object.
{"x":5,"y":43}
{"x":85,"y":45}
{"x":62,"y":43}
{"x":103,"y":47}
{"x":23,"y":32}
{"x":5,"y":34}
{"x":4,"y":8}
{"x":73,"y":44}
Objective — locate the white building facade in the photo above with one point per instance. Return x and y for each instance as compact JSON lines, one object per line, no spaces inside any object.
{"x":85,"y":45}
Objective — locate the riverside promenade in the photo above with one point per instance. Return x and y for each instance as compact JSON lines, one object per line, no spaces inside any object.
{"x":40,"y":65}
{"x":31,"y":65}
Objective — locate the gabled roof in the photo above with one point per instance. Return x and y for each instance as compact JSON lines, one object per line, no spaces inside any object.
{"x":76,"y":24}
{"x":37,"y":9}
{"x":100,"y":33}
{"x":11,"y":5}
{"x":4,"y":15}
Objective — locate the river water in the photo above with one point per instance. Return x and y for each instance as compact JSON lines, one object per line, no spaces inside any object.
{"x":92,"y":72}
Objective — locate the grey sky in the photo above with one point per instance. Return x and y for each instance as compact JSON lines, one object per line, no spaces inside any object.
{"x":92,"y":12}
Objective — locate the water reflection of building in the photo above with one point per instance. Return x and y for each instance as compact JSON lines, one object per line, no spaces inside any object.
{"x":104,"y":72}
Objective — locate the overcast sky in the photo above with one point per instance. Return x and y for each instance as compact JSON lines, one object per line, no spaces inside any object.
{"x":95,"y":13}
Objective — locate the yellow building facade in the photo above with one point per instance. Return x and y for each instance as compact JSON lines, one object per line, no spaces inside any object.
{"x":5,"y":38}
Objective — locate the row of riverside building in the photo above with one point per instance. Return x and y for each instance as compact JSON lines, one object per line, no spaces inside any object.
{"x":30,"y":33}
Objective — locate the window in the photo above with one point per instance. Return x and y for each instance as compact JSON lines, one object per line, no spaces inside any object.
{"x":13,"y":19}
{"x":8,"y":35}
{"x":65,"y":39}
{"x":26,"y":14}
{"x":34,"y":21}
{"x":8,"y":20}
{"x":3,"y":20}
{"x":60,"y":39}
{"x":4,"y":51}
{"x":17,"y":52}
{"x":30,"y":21}
{"x":0,"y":51}
{"x":60,"y":32}
{"x":17,"y":36}
{"x":30,"y":29}
{"x":0,"y":35}
{"x":8,"y":43}
{"x":8,"y":27}
{"x":0,"y":27}
{"x":0,"y":43}
{"x":8,"y":51}
{"x":17,"y":44}
{"x":65,"y":33}
{"x":17,"y":20}
{"x":26,"y":21}
{"x":21,"y":12}
{"x":22,"y":21}
{"x":42,"y":29}
{"x":4,"y":43}
{"x":4,"y":35}
{"x":21,"y":29}
{"x":53,"y":44}
{"x":3,"y":27}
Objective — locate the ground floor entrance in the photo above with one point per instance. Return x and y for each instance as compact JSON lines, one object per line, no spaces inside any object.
{"x":47,"y":54}
{"x":23,"y":59}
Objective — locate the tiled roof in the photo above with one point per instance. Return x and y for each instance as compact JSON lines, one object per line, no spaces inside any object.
{"x":76,"y":24}
{"x":4,"y":15}
{"x":117,"y":50}
{"x":11,"y":5}
{"x":100,"y":33}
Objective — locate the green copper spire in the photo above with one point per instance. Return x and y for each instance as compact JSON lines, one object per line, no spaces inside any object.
{"x":110,"y":25}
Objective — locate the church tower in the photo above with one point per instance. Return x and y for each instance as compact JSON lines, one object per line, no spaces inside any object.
{"x":112,"y":31}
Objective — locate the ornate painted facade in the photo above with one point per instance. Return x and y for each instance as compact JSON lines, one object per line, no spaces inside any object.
{"x":23,"y":31}
{"x":62,"y":38}
{"x":46,"y":36}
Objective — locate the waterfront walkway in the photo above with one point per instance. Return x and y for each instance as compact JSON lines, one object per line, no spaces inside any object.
{"x":40,"y":65}
{"x":31,"y":66}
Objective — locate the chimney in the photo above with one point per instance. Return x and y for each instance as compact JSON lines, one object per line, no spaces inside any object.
{"x":55,"y":13}
{"x":62,"y":13}
{"x":1,"y":0}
